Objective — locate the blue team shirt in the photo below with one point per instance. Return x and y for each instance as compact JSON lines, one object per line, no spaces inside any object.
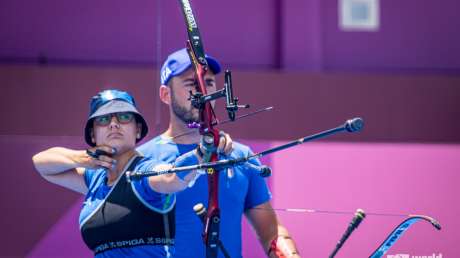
{"x":95,"y":180}
{"x":238,"y":192}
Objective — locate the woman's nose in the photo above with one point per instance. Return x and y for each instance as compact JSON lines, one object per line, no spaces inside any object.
{"x":114,"y":122}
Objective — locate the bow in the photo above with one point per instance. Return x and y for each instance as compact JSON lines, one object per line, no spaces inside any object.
{"x":201,"y":101}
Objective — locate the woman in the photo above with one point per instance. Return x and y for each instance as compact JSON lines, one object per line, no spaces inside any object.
{"x":119,"y":218}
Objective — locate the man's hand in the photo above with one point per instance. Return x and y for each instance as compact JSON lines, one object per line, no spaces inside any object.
{"x":207,"y":147}
{"x":225,"y":143}
{"x":283,"y":246}
{"x":275,"y":238}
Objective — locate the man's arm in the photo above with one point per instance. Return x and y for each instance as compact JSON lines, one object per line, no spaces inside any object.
{"x":274,"y":238}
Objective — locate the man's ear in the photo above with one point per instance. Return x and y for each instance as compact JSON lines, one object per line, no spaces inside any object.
{"x":165,"y":94}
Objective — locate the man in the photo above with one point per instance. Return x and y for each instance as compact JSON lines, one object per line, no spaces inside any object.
{"x":241,"y":190}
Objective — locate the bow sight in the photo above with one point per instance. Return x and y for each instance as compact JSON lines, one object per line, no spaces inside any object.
{"x":198,"y":99}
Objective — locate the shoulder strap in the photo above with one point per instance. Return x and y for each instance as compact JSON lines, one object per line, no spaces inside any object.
{"x":134,"y":163}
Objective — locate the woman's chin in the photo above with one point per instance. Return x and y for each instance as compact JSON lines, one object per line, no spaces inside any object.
{"x":121,"y":147}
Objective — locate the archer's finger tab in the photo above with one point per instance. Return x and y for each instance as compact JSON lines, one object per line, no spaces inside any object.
{"x":100,"y":152}
{"x":92,"y":154}
{"x":97,"y":153}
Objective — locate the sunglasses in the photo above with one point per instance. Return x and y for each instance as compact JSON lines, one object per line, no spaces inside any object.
{"x":122,"y":118}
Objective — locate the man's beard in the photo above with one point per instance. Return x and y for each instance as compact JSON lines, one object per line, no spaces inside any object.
{"x":185,"y":115}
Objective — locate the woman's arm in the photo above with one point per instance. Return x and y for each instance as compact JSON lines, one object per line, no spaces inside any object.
{"x":65,"y":167}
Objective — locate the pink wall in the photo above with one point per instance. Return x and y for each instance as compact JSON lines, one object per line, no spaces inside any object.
{"x":30,"y":205}
{"x":414,"y":35}
{"x":376,"y":177}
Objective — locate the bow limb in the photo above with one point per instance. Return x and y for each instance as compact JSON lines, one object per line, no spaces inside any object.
{"x":399,"y":231}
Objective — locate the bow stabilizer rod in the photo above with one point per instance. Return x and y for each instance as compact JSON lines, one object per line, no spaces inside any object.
{"x":351,"y":125}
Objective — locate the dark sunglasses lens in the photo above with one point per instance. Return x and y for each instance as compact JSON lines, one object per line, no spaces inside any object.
{"x":102,"y":120}
{"x":125,"y":117}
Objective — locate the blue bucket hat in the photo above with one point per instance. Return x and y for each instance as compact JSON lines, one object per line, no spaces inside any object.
{"x":179,"y":61}
{"x":112,"y":101}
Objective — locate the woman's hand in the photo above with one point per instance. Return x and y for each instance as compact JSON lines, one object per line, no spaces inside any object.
{"x":99,"y":156}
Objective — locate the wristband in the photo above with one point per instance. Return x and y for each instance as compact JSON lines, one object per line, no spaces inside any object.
{"x":281,"y":253}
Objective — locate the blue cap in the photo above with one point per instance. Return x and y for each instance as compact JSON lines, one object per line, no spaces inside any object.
{"x":112,"y":101}
{"x":179,"y":61}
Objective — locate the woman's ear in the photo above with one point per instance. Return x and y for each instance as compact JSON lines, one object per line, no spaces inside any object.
{"x":139,"y":130}
{"x":165,"y":94}
{"x":93,"y":140}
